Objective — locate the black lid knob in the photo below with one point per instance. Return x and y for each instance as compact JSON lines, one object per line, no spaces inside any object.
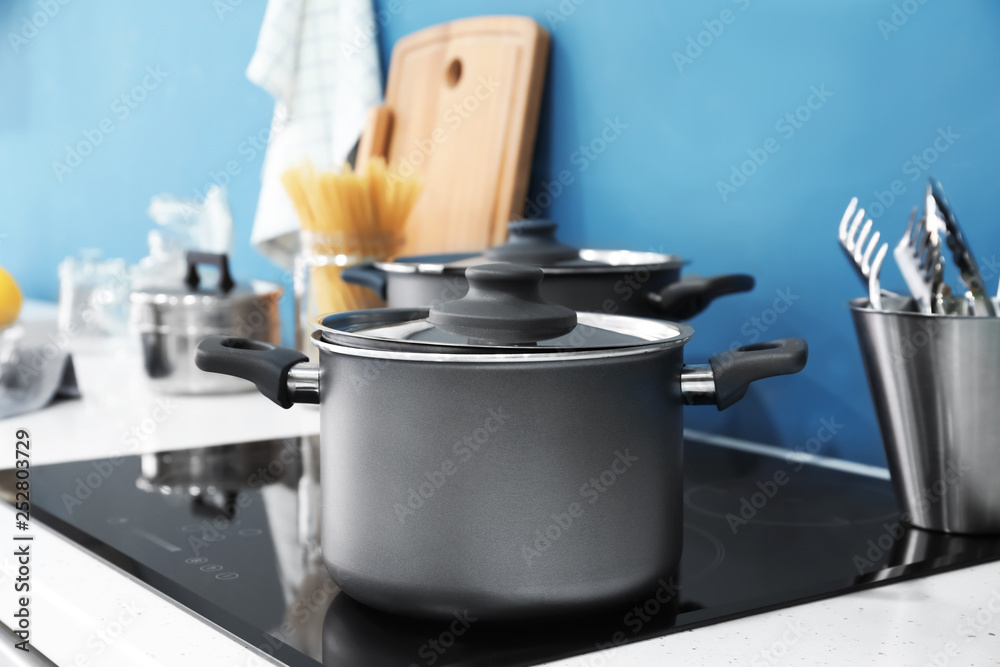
{"x":532,"y":242}
{"x":504,"y":306}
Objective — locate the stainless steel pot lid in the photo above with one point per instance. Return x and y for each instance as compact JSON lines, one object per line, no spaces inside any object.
{"x":533,"y":243}
{"x":192,"y":294}
{"x":502,"y":312}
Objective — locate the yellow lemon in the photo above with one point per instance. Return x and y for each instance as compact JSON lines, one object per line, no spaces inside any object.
{"x":10,"y":299}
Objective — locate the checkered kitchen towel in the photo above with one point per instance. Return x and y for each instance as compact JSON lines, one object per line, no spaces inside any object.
{"x":319,"y":59}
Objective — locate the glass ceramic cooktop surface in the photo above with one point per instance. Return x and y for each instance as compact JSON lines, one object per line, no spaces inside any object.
{"x":232,"y":533}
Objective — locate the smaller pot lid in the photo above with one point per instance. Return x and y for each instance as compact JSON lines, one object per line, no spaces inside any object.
{"x":191,"y":293}
{"x":503,"y":311}
{"x":534,"y":243}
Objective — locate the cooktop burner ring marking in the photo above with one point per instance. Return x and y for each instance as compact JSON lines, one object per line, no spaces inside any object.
{"x":720,"y":553}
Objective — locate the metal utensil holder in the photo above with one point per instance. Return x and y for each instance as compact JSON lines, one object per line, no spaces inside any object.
{"x":935,"y":383}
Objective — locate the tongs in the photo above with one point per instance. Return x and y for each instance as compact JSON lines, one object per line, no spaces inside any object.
{"x":937,"y":205}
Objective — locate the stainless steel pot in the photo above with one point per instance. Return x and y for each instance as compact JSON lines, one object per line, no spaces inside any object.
{"x":171,"y":321}
{"x":616,"y":282}
{"x":498,"y":453}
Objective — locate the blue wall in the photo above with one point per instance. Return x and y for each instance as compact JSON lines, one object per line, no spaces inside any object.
{"x":70,"y":76}
{"x":654,"y":187}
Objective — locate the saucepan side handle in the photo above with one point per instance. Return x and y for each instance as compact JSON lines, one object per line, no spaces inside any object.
{"x":280,"y":374}
{"x":726,"y":377}
{"x":367,"y":275}
{"x":685,"y":298}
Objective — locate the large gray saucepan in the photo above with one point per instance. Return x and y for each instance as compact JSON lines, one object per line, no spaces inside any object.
{"x":499,"y":454}
{"x":622,"y":282}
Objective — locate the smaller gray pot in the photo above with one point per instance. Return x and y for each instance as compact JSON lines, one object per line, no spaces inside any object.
{"x":498,"y":454}
{"x":171,"y":321}
{"x":616,"y":282}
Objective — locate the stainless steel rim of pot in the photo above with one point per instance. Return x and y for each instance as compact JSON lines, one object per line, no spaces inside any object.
{"x":255,"y":290}
{"x":605,"y":261}
{"x":485,"y":357}
{"x":651,"y":336}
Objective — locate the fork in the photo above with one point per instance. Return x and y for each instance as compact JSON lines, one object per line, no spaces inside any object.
{"x":860,"y":254}
{"x":918,"y":255}
{"x":853,"y":243}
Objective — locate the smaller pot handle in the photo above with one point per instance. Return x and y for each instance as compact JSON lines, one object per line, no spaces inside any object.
{"x":367,"y":275}
{"x":264,"y":364}
{"x":728,"y":375}
{"x":685,"y":298}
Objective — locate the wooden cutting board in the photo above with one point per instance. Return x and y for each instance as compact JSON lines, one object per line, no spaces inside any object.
{"x":461,"y":111}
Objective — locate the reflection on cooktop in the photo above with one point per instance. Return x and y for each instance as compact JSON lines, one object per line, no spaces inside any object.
{"x":819,"y":506}
{"x":232,"y":533}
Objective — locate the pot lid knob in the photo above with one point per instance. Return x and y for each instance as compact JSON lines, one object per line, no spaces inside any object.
{"x":504,"y":306}
{"x":532,"y":242}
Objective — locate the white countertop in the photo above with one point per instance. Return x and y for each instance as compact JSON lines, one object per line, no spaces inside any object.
{"x":78,"y":602}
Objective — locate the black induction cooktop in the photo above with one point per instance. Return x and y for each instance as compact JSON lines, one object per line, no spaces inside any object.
{"x":231,"y":533}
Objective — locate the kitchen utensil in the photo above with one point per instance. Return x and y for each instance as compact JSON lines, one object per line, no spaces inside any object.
{"x":453,"y":437}
{"x":646,"y":284}
{"x":461,"y":111}
{"x":171,"y":320}
{"x":918,"y":255}
{"x":858,"y":253}
{"x":874,"y":283}
{"x":960,"y":251}
{"x":934,"y":382}
{"x":970,"y":302}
